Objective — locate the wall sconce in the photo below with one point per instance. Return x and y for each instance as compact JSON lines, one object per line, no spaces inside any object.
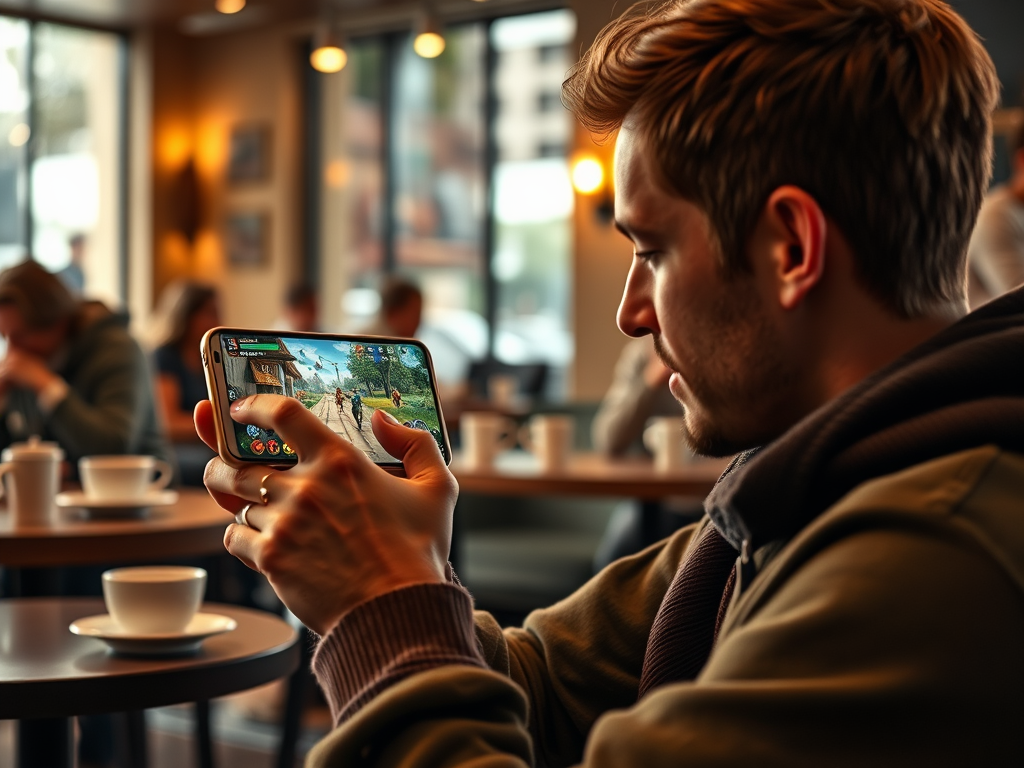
{"x":429,"y":40}
{"x":590,"y":179}
{"x":229,"y":6}
{"x":328,"y":52}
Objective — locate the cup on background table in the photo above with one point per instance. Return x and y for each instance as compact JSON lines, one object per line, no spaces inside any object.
{"x":550,"y":438}
{"x":664,"y":438}
{"x":484,"y":435}
{"x":153,"y":599}
{"x":502,"y":390}
{"x":31,"y":478}
{"x":117,"y":478}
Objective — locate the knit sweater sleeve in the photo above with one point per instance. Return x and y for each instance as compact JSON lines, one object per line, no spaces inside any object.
{"x":389,"y":638}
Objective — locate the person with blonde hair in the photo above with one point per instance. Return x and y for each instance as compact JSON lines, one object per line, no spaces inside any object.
{"x":798,"y":180}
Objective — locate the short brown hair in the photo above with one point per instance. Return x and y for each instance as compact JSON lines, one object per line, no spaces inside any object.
{"x":40,"y":296}
{"x":880,"y":109}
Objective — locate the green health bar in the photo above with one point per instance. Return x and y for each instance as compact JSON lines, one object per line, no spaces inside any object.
{"x":265,"y":347}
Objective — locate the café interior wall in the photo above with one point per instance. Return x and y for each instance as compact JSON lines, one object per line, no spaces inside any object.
{"x":204,"y":87}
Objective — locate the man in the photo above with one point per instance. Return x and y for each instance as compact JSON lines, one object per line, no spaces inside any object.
{"x":799,"y":179}
{"x":301,"y":310}
{"x":72,"y":373}
{"x":996,"y":253}
{"x":357,"y":408}
{"x":401,"y":309}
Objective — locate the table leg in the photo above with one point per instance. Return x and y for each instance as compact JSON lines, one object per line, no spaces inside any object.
{"x":204,"y":741}
{"x":48,"y":742}
{"x":131,"y":743}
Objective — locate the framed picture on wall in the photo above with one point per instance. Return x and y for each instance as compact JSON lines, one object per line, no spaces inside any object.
{"x":246,"y":238}
{"x":249,"y":153}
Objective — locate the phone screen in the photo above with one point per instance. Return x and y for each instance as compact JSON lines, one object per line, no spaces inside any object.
{"x":341,"y":380}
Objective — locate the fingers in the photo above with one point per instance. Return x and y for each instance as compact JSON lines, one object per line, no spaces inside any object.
{"x":233,"y":488}
{"x":205,"y":428}
{"x":243,"y":542}
{"x":292,"y":421}
{"x":416,"y":448}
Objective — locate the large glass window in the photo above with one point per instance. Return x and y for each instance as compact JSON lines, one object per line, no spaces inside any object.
{"x":453,"y":171}
{"x":61,"y":152}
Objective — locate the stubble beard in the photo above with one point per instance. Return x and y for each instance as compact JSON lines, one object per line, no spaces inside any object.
{"x":741,"y":385}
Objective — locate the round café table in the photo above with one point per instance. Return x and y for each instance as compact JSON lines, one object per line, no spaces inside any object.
{"x":48,"y":675}
{"x":193,"y":525}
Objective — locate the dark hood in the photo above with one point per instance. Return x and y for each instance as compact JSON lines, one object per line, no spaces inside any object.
{"x":962,"y":389}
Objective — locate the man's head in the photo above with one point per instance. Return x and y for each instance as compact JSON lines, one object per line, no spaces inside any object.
{"x":36,"y":309}
{"x":784,"y":165}
{"x":401,"y":305}
{"x":879,"y":109}
{"x":301,"y":307}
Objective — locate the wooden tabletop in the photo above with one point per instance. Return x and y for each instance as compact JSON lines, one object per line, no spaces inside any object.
{"x":517,"y":473}
{"x":194,"y":525}
{"x":45,"y":671}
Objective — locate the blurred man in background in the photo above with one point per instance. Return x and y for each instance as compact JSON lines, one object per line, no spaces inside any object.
{"x":401,"y":309}
{"x":72,"y":373}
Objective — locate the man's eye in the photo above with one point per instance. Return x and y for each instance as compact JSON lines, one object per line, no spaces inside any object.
{"x":645,"y":255}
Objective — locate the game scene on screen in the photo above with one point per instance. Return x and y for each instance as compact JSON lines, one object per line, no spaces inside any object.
{"x":341,"y":382}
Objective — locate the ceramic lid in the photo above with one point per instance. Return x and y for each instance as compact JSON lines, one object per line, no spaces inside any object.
{"x":33,"y":448}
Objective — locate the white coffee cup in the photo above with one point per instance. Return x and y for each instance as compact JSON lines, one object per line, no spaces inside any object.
{"x":153,"y":599}
{"x":122,"y":477}
{"x":32,"y":474}
{"x":664,"y":438}
{"x":484,"y":435}
{"x":549,"y":437}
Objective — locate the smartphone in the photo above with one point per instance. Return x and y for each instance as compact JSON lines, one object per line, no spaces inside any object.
{"x":341,"y":379}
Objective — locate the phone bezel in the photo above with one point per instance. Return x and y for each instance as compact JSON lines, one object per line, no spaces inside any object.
{"x":216,"y":385}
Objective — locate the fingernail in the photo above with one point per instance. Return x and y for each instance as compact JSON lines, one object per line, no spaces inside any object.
{"x":390,"y":417}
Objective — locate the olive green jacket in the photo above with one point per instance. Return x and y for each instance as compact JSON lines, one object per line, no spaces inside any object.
{"x":888,"y":632}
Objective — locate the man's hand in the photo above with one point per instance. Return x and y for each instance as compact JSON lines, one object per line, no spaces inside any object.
{"x":24,"y":370}
{"x":337,"y":529}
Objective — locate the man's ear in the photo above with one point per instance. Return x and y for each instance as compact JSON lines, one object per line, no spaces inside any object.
{"x":797,"y":228}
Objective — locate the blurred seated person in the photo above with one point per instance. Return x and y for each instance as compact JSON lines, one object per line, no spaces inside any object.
{"x":401,"y":309}
{"x":186,"y":311}
{"x":301,"y":311}
{"x":72,"y":373}
{"x":638,"y":392}
{"x":996,"y":252}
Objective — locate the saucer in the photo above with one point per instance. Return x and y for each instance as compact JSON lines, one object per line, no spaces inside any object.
{"x":116,"y":507}
{"x":202,"y":626}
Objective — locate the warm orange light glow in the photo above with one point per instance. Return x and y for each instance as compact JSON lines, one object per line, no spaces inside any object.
{"x":336,"y":174}
{"x":19,"y":135}
{"x":230,"y":6}
{"x":328,"y":58}
{"x":174,"y":148}
{"x":429,"y":45}
{"x":587,"y":175}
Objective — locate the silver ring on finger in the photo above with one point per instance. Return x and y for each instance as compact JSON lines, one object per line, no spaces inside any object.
{"x":242,"y":516}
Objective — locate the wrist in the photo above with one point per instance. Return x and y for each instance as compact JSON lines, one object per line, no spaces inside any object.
{"x":51,"y":394}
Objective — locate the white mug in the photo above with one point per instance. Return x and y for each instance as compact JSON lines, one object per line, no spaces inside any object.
{"x":664,"y":438}
{"x":549,"y":437}
{"x":108,"y":478}
{"x":484,"y":435}
{"x":153,"y":599}
{"x":32,"y":474}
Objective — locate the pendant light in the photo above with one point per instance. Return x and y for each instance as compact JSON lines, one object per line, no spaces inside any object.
{"x":429,"y":40}
{"x":328,"y":52}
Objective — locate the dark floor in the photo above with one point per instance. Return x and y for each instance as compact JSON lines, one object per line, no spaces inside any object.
{"x":241,"y":740}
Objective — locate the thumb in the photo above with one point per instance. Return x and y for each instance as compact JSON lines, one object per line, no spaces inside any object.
{"x":416,"y":448}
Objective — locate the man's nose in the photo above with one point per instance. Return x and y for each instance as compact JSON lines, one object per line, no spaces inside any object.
{"x":636,"y":316}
